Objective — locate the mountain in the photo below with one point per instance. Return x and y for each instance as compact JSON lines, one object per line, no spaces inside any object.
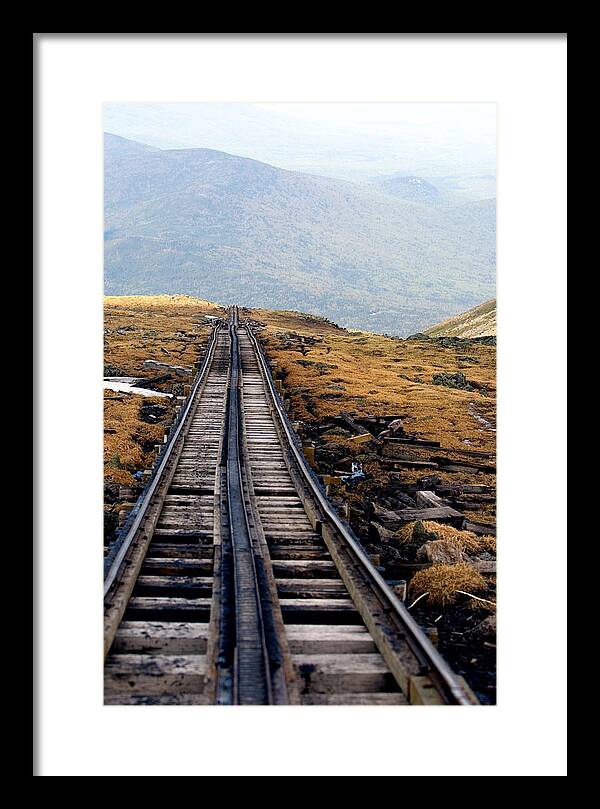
{"x":477,"y":322}
{"x":353,"y":142}
{"x":232,"y":229}
{"x":408,"y":187}
{"x":438,"y":190}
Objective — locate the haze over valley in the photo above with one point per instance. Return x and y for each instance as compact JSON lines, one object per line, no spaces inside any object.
{"x":391,"y":251}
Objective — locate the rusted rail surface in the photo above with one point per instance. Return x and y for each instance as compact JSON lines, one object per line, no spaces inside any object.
{"x":241,"y":584}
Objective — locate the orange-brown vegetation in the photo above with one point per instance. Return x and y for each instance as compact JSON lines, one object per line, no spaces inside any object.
{"x":337,"y":370}
{"x":128,"y":441}
{"x":477,"y":322}
{"x":168,"y":328}
{"x":442,"y":584}
{"x":369,"y":373}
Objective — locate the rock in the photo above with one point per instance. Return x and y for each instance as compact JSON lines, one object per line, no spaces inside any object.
{"x":396,"y":426}
{"x":387,"y":517}
{"x":380,"y":532}
{"x":484,"y":629}
{"x":406,"y":501}
{"x":152,"y":413}
{"x":112,"y":370}
{"x":429,"y":482}
{"x":440,"y":552}
{"x":457,"y":380}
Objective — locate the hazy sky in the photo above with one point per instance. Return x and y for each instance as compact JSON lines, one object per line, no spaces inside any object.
{"x":356,"y":141}
{"x":474,"y":121}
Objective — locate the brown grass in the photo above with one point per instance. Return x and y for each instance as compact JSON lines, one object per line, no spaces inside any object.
{"x":441,"y":583}
{"x":129,"y":448}
{"x":487,"y":543}
{"x":477,"y":322}
{"x":405,"y":534}
{"x":464,"y":540}
{"x":379,"y":374}
{"x":167,"y":328}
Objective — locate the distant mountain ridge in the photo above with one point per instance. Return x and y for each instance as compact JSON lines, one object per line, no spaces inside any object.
{"x":233,"y":229}
{"x":415,"y":189}
{"x":477,"y":322}
{"x":335,"y":148}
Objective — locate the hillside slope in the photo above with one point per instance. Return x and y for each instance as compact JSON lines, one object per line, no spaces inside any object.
{"x":408,"y":187}
{"x":477,"y":322}
{"x":203,"y":222}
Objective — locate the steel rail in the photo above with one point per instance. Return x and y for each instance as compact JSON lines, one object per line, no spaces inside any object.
{"x":256,"y":658}
{"x":250,"y":670}
{"x":112,"y":574}
{"x":429,"y":658}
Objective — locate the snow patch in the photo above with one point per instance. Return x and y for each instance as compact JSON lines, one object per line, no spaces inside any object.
{"x":127,"y":387}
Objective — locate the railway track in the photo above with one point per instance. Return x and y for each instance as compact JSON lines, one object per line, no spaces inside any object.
{"x":236,"y":582}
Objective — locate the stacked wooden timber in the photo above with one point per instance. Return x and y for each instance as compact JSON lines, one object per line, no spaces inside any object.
{"x":180,"y":370}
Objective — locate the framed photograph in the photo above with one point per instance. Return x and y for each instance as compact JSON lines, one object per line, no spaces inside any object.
{"x":281,"y":269}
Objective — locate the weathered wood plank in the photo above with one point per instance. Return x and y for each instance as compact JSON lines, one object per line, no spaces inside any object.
{"x":167,"y":550}
{"x":407,"y":440}
{"x":310,"y":568}
{"x":404,"y":463}
{"x":321,"y":605}
{"x":176,"y":583}
{"x":480,"y":528}
{"x":180,"y":370}
{"x":423,"y":692}
{"x":327,"y":639}
{"x":386,"y":698}
{"x":361,"y":433}
{"x":326,"y":673}
{"x":447,"y":463}
{"x":484,"y":566}
{"x":298,"y":552}
{"x":427,"y":499}
{"x":157,"y":608}
{"x":313,"y":588}
{"x":442,"y":514}
{"x":163,"y":699}
{"x":456,"y":467}
{"x":363,"y":438}
{"x":182,"y":535}
{"x":171,"y":567}
{"x":165,"y":637}
{"x":153,"y":674}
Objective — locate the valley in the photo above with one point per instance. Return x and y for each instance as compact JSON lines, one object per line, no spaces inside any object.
{"x":211,"y":224}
